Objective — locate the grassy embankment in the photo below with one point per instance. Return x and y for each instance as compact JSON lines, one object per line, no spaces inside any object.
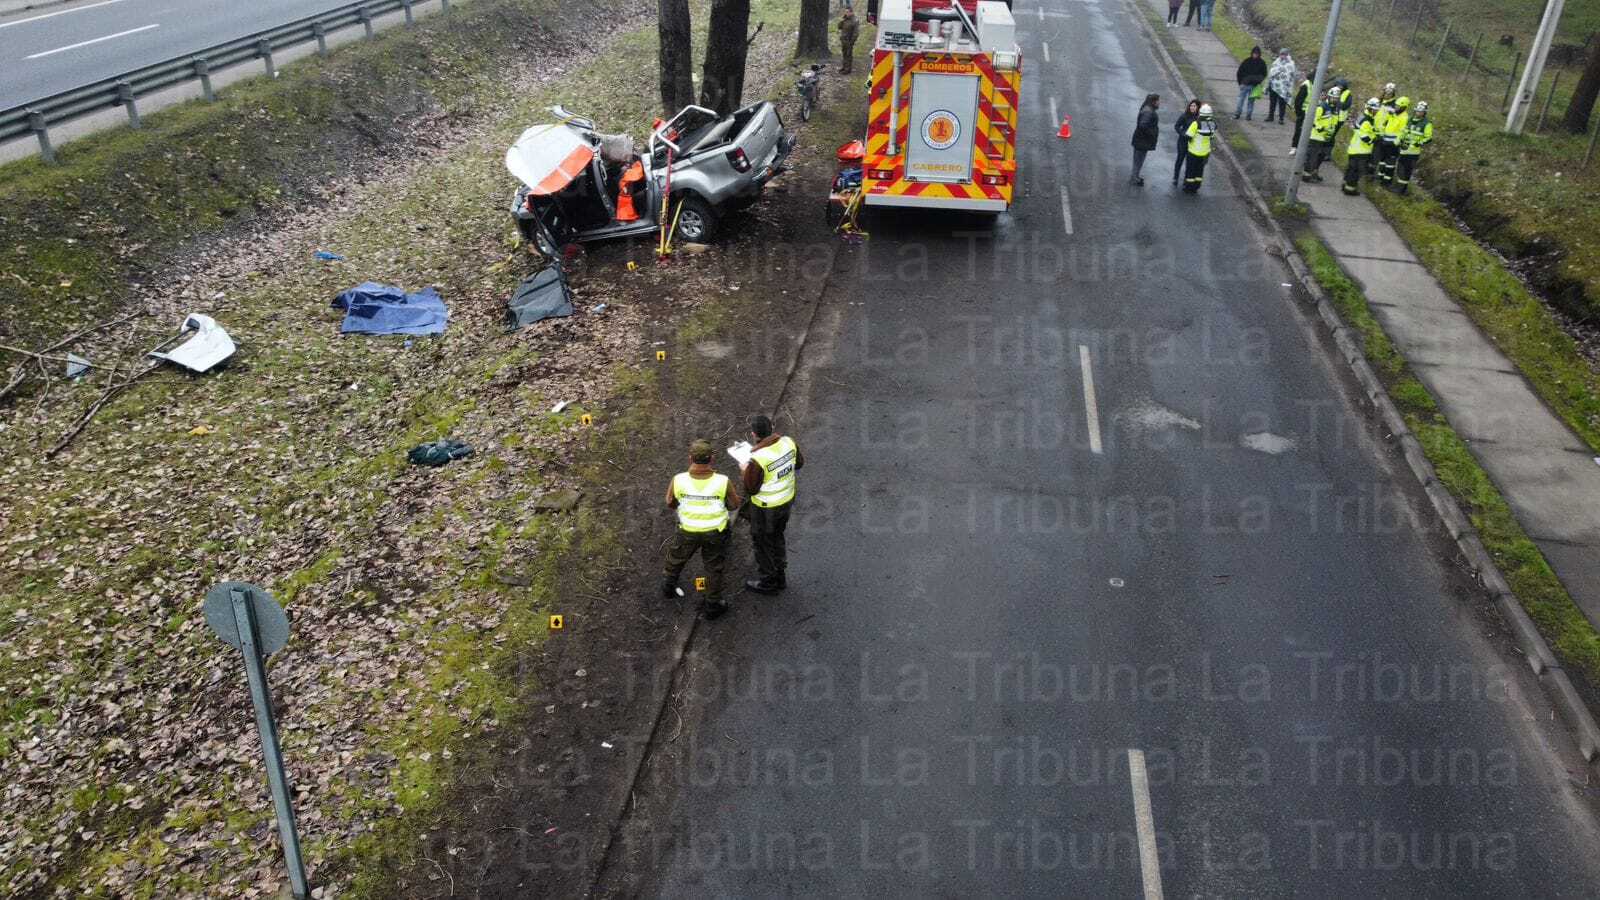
{"x":1522,"y":326}
{"x":140,"y":778}
{"x":1528,"y":198}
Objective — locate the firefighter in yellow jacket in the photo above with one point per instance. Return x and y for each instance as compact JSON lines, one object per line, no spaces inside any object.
{"x":1418,"y":131}
{"x":703,"y":499}
{"x":1202,"y":131}
{"x":1358,"y":156}
{"x":1323,"y":126}
{"x":1390,"y":126}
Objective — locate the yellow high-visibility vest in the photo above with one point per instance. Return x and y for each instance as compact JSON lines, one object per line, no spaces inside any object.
{"x":1417,"y":132}
{"x":1323,"y":126}
{"x":1199,"y":134}
{"x":777,"y":467}
{"x":702,"y":502}
{"x":1365,"y":136}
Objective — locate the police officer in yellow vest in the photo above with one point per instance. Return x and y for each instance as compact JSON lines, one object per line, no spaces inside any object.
{"x":1360,"y":149}
{"x":1418,"y":131}
{"x":769,"y":479}
{"x":1322,"y":131}
{"x":1202,"y":131}
{"x":703,"y":499}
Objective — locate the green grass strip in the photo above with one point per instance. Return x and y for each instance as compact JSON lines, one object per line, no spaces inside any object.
{"x":1562,"y":623}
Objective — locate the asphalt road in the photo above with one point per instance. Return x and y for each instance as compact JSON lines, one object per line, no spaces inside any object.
{"x":1100,"y":584}
{"x":59,"y":48}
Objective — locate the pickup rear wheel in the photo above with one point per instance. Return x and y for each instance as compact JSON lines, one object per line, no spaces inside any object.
{"x":697,"y":222}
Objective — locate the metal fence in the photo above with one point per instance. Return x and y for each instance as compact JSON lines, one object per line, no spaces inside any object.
{"x":1488,"y":65}
{"x":124,"y":90}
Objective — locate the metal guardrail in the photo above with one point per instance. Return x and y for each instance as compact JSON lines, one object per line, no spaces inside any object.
{"x":124,"y":90}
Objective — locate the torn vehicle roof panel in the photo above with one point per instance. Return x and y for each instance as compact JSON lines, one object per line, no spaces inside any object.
{"x":209,"y":345}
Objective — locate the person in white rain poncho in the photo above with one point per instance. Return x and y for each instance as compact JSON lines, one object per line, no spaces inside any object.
{"x":1280,"y":85}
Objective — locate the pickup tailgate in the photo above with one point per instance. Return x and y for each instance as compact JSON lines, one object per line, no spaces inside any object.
{"x":764,"y":142}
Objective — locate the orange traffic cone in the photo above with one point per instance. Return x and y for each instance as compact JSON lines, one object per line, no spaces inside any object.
{"x":1066,"y":128}
{"x":625,"y":210}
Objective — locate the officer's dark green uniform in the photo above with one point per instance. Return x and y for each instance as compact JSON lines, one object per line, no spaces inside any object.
{"x":702,"y":499}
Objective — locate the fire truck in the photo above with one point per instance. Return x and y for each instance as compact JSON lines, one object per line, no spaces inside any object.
{"x":942,"y":113}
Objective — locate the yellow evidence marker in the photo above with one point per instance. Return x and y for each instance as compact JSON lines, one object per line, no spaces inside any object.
{"x":661,"y":356}
{"x":700,"y":584}
{"x":557,"y":623}
{"x":586,"y":419}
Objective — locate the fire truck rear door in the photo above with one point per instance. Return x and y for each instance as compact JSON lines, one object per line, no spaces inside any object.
{"x":944,"y":109}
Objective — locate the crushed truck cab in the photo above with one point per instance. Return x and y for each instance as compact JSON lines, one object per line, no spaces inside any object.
{"x":942,"y":114}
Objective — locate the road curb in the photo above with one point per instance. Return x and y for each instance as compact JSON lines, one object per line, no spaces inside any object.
{"x":1542,"y":660}
{"x":7,"y":7}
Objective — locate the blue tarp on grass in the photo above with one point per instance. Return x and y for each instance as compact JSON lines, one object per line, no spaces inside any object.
{"x":372,"y":308}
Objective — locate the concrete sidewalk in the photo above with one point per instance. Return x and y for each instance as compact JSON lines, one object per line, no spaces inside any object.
{"x":1548,"y":475}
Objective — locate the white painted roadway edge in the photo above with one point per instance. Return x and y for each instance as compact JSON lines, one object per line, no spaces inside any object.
{"x":1144,"y":822}
{"x":1563,"y":695}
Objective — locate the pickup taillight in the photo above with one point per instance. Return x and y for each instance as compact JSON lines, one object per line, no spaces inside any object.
{"x":738,"y":160}
{"x":880,"y":174}
{"x":991,"y":178}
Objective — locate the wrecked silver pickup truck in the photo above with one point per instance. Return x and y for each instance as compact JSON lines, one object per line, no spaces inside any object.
{"x":581,"y":185}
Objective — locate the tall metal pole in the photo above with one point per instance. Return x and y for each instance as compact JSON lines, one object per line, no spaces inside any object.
{"x":1517,"y":118}
{"x":1291,"y":194}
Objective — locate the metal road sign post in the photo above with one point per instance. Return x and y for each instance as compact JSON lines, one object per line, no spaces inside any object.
{"x":246,"y":617}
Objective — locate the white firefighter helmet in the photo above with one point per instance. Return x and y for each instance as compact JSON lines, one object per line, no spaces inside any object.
{"x":1390,"y":88}
{"x":1373,"y":104}
{"x":1205,"y":110}
{"x":1421,"y":109}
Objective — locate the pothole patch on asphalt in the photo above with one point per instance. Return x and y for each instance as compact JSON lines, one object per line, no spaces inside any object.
{"x":1267,"y":442}
{"x":1148,"y":416}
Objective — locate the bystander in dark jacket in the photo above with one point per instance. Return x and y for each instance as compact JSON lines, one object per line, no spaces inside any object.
{"x":1146,"y":132}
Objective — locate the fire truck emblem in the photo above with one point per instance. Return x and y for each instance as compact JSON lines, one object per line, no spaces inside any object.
{"x":941,"y":129}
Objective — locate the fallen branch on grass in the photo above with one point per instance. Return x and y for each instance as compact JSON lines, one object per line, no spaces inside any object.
{"x":111,"y":391}
{"x":20,"y":374}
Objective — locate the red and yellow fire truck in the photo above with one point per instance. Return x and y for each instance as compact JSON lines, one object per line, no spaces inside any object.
{"x":942,"y":118}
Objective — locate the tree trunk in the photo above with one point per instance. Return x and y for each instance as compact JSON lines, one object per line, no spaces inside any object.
{"x":677,"y":67}
{"x":722,"y":83}
{"x":1582,"y":103}
{"x":813,"y":43}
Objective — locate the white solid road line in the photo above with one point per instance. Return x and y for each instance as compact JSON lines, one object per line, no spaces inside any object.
{"x":61,"y":12}
{"x":1149,"y":859}
{"x":1054,"y":116}
{"x":93,"y":41}
{"x":1092,"y":415}
{"x":1046,"y":46}
{"x":1066,"y":214}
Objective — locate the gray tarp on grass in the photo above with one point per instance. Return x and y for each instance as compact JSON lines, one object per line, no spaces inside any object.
{"x":542,"y":295}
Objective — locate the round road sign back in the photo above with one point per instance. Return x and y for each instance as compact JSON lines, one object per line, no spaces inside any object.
{"x":272,"y":626}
